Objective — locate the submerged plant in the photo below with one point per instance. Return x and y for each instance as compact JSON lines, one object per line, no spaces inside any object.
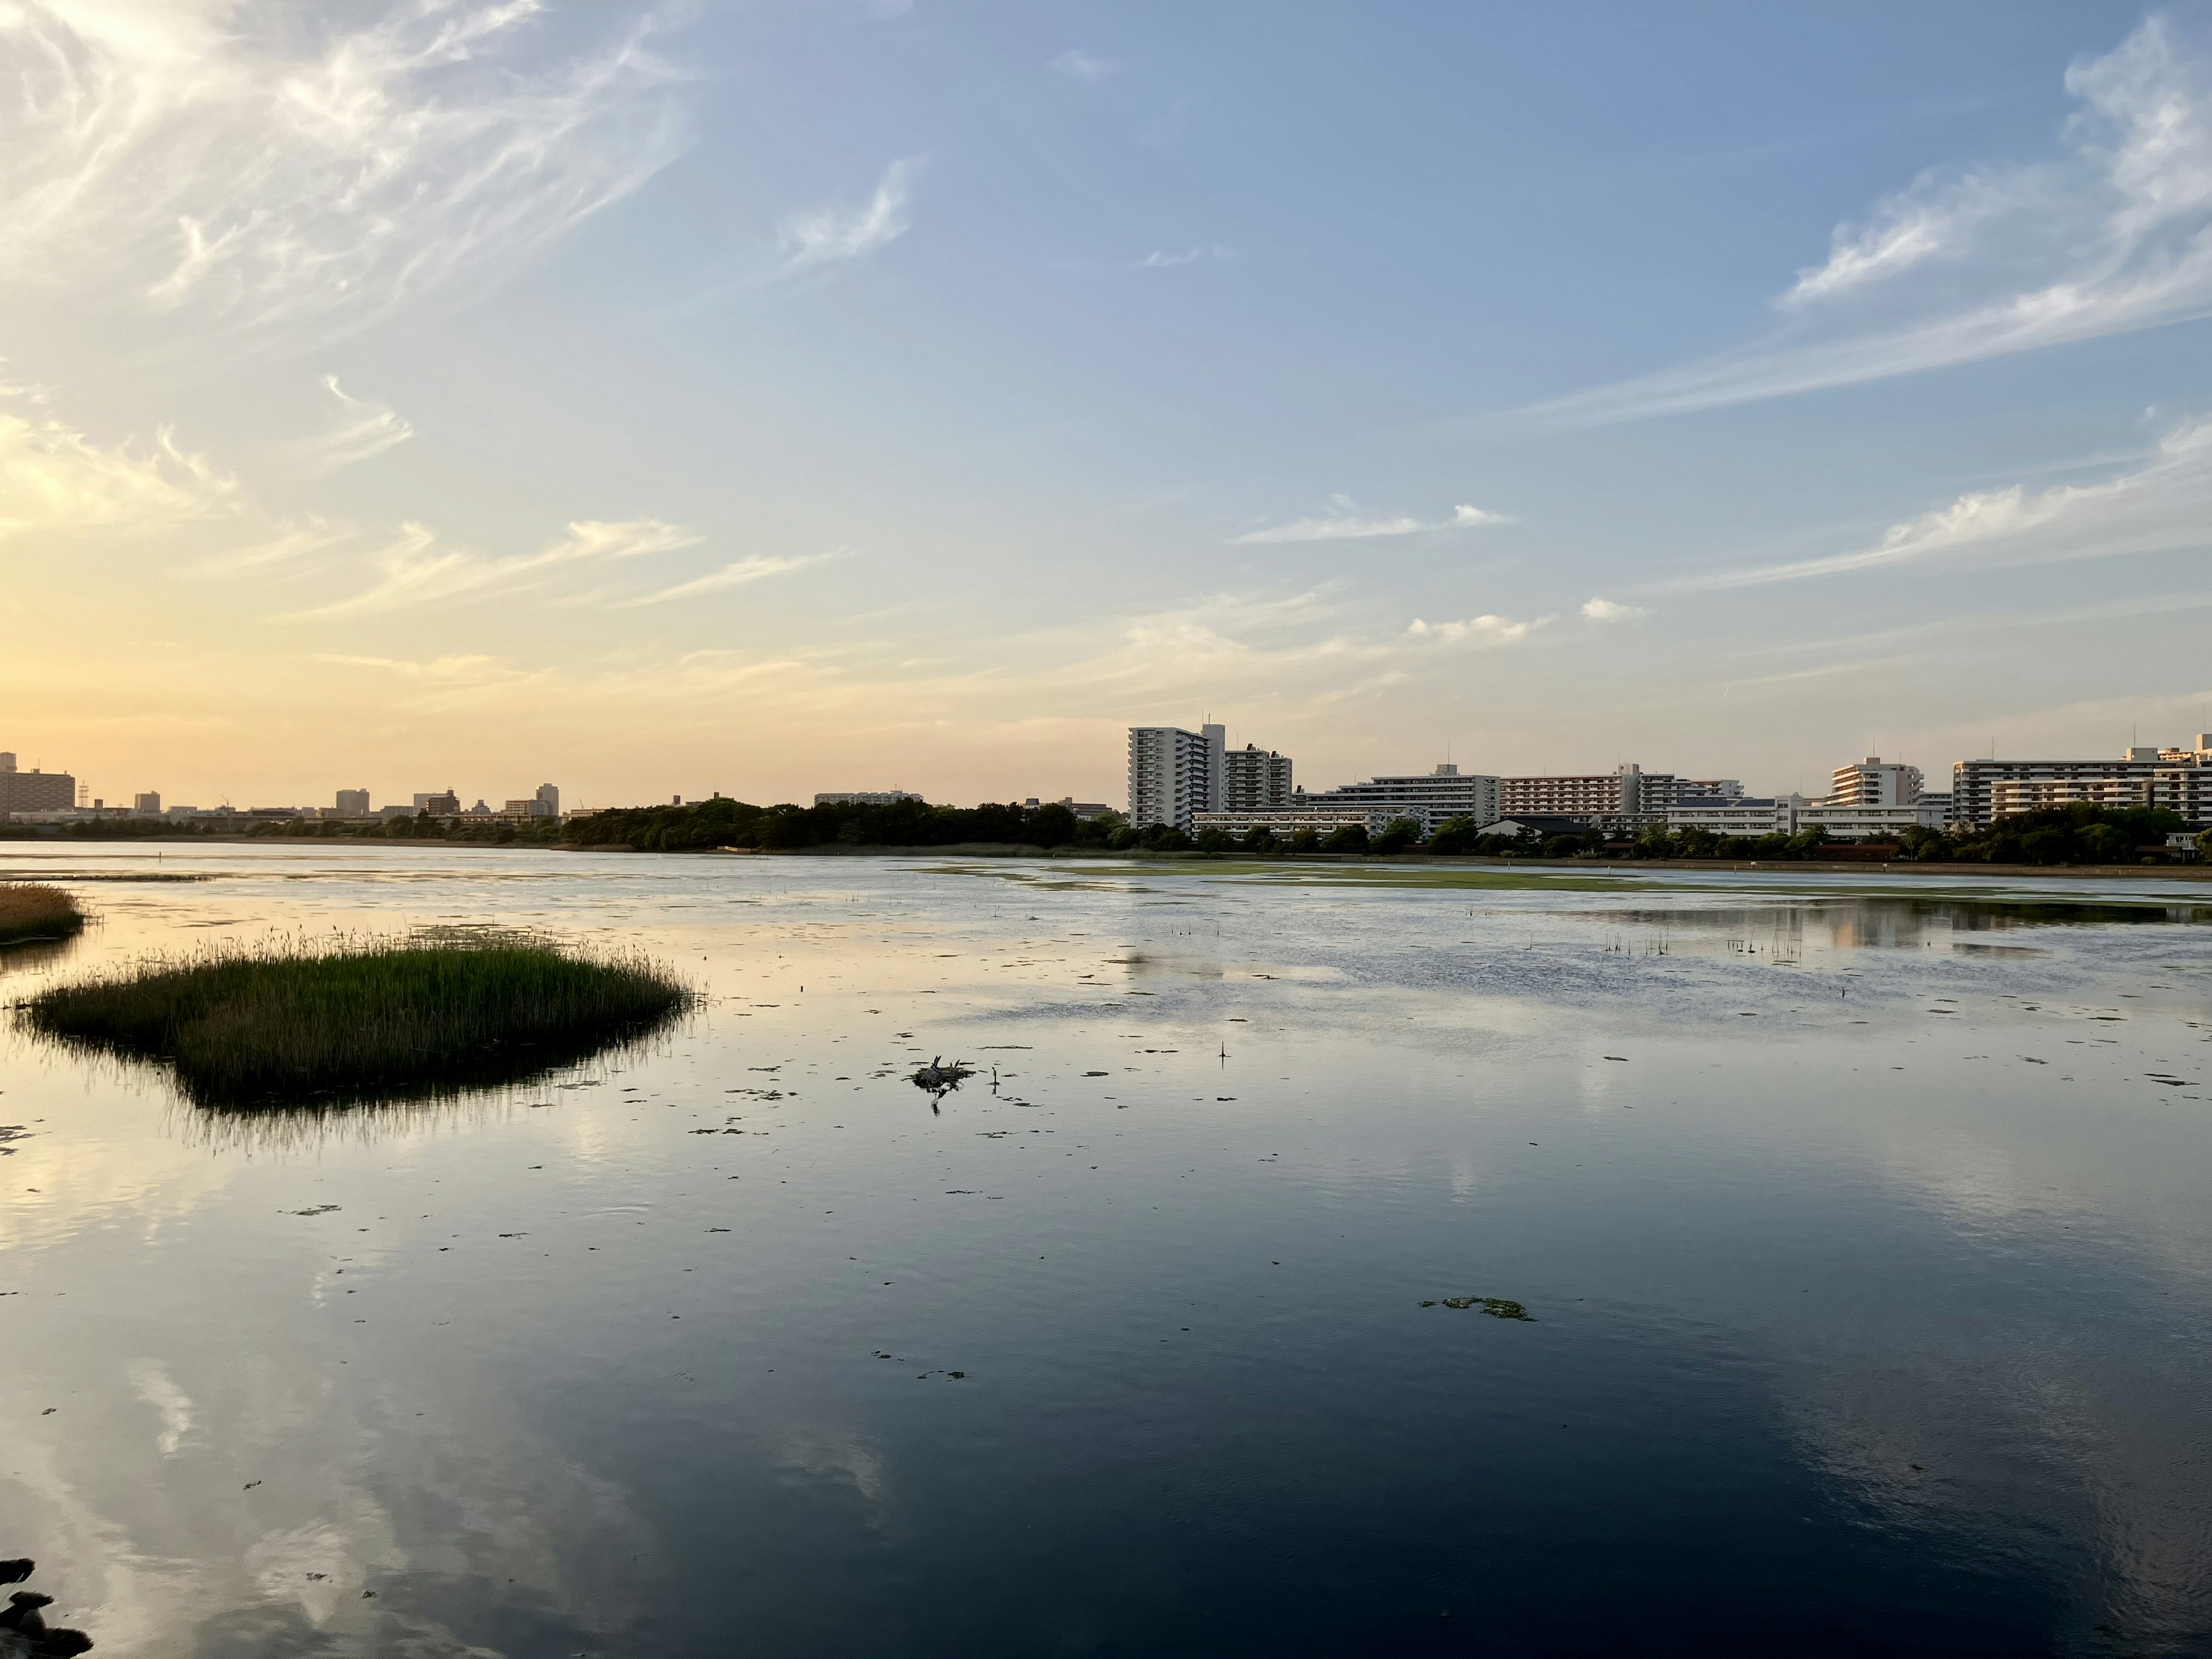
{"x":30,"y":909}
{"x":403,"y":1017}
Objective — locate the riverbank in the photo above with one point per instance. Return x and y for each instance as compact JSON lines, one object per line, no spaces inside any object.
{"x":2196,"y":872}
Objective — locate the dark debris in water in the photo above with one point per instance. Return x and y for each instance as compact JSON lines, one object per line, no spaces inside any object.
{"x":1497,"y":1306}
{"x":23,"y":1628}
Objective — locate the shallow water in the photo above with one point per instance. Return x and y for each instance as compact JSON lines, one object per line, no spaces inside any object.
{"x":1862,"y":1221}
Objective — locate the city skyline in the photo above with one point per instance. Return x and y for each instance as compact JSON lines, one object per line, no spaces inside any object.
{"x":577,"y":396}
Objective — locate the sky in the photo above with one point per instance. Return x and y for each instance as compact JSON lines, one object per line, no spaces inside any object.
{"x":775,"y":396}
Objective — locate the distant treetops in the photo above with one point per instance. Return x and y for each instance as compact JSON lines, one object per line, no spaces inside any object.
{"x":2068,"y":835}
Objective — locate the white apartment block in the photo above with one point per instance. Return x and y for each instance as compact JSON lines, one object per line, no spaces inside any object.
{"x":1625,"y":792}
{"x":1255,"y":778}
{"x":2143,"y":776}
{"x":1174,"y":775}
{"x":1738,"y":815}
{"x":1787,"y":814}
{"x":1875,"y":782}
{"x":1284,"y":821}
{"x":862,"y":797}
{"x":2184,"y":790}
{"x":1427,"y":797}
{"x":1847,"y":822}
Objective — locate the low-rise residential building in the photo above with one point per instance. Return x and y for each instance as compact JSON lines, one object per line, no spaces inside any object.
{"x":1084,"y":811}
{"x":1545,"y":824}
{"x":2143,"y":776}
{"x":2185,"y":790}
{"x":1871,"y":823}
{"x":1738,"y":815}
{"x":1622,"y":795}
{"x":1427,"y":797}
{"x":832,"y":797}
{"x":1284,"y":822}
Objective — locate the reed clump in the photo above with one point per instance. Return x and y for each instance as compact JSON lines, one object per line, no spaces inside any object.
{"x":285,"y":1026}
{"x":32,"y":909}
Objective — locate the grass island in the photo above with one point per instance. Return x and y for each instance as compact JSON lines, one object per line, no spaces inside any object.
{"x":282,"y":1027}
{"x":32,"y":910}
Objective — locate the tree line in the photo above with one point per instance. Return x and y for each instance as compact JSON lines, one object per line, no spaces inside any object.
{"x":2068,"y":835}
{"x":2055,"y":836}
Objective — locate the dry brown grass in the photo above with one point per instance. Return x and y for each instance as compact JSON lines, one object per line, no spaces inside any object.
{"x":33,"y":910}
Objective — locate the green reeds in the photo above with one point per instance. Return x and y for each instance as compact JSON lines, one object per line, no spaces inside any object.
{"x":33,"y":910}
{"x":403,"y":1017}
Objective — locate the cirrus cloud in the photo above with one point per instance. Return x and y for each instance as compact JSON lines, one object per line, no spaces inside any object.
{"x":1344,"y":522}
{"x":2112,"y":235}
{"x":162,"y":158}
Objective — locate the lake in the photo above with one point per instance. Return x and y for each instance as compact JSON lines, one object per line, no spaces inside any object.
{"x":1861,"y":1224}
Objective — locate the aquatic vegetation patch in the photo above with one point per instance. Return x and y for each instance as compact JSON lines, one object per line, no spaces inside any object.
{"x":1497,"y":1306}
{"x":33,"y":910}
{"x":397,"y":1018}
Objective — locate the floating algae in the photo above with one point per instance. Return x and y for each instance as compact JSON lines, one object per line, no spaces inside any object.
{"x":1497,"y":1306}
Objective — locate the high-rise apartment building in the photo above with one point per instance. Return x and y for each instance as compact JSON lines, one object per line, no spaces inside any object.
{"x":439,"y":803}
{"x":353,"y":803}
{"x":548,"y":800}
{"x":147,"y":804}
{"x":1257,"y":779}
{"x":1173,"y":773}
{"x":1875,"y":782}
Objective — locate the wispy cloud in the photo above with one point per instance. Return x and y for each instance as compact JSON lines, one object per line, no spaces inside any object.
{"x":828,"y":235}
{"x":165,"y":157}
{"x":1476,"y":630}
{"x":292,"y":545}
{"x":1081,"y":65}
{"x":2111,"y":236}
{"x":2162,"y":503}
{"x":414,"y":570}
{"x":361,"y":429}
{"x":53,"y":478}
{"x":730,"y":575}
{"x":1343,"y":522}
{"x":1603,"y":609}
{"x":1161,"y":259}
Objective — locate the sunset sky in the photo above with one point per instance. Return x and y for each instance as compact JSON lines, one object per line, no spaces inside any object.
{"x":785,"y":395}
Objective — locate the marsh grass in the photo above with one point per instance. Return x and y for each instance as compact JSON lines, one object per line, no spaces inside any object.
{"x":289,"y":1026}
{"x":32,"y":910}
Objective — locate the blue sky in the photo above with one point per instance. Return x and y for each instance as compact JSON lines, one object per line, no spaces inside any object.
{"x":776,"y":396}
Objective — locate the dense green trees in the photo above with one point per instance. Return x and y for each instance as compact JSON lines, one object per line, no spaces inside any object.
{"x":721,"y":823}
{"x":1399,"y":836}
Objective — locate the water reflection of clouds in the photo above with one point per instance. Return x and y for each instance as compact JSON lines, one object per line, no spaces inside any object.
{"x":2032,"y":1440}
{"x":834,"y":1455}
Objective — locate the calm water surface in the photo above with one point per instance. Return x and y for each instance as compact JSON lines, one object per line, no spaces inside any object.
{"x":1863,"y":1228}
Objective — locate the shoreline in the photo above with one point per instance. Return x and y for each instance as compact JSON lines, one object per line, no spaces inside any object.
{"x":2198,"y":871}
